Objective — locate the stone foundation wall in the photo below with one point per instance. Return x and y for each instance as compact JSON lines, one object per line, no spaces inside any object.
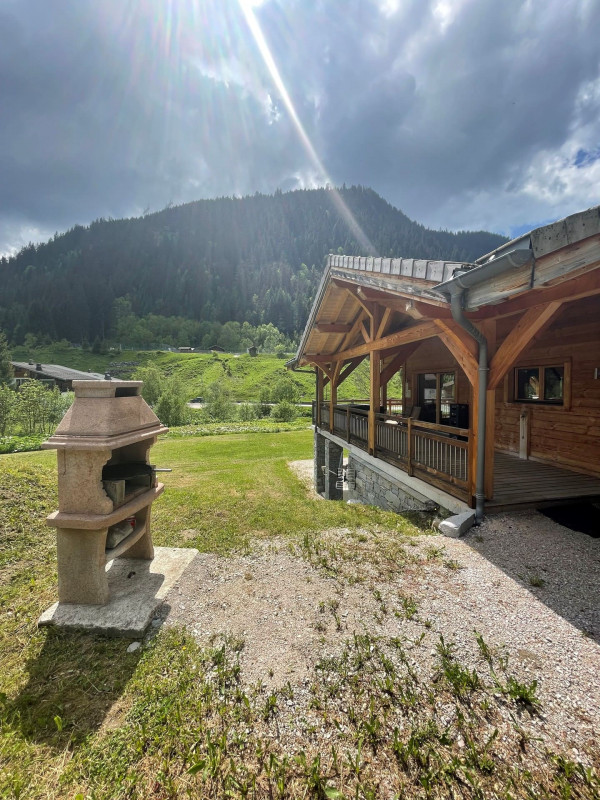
{"x":327,"y":462}
{"x":319,"y":463}
{"x":378,"y":490}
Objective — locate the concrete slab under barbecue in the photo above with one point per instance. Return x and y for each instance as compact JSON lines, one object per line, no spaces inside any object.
{"x":137,"y":589}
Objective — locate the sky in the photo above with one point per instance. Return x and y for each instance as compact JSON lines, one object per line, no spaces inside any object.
{"x":464,"y":114}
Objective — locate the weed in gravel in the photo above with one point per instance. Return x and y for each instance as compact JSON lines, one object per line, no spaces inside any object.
{"x":573,"y":773}
{"x":462,"y":681}
{"x":483,"y":647}
{"x":270,"y":707}
{"x":409,"y":606}
{"x":434,"y":552}
{"x":535,"y":579}
{"x":452,"y":564}
{"x":523,"y":693}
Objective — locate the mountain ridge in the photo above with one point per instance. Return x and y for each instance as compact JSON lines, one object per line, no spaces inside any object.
{"x":257,"y":258}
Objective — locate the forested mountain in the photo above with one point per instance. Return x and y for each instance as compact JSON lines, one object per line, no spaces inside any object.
{"x":256,"y":259}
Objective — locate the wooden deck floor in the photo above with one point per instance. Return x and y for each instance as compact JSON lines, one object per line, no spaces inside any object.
{"x":526,"y":484}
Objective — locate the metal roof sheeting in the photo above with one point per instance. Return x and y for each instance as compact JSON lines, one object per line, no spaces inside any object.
{"x":427,"y":270}
{"x":58,"y":372}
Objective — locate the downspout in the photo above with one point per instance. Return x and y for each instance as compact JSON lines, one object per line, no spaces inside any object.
{"x":455,"y":288}
{"x":456,"y":304}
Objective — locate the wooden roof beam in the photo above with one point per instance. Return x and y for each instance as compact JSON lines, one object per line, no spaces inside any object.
{"x":385,"y":318}
{"x":424,"y":330}
{"x":348,"y":339}
{"x":397,"y":361}
{"x":365,"y":333}
{"x":531,"y":324}
{"x":332,"y":327}
{"x":462,"y":346}
{"x":357,"y":293}
{"x":398,"y":298}
{"x":349,"y":368}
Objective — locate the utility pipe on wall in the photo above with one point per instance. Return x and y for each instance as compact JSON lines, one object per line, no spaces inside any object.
{"x":456,"y":289}
{"x":456,"y":304}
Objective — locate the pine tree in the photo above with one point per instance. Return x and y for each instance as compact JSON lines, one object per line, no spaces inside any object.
{"x":6,"y":370}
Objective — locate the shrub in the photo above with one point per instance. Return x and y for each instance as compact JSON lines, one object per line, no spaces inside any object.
{"x":264,"y":408}
{"x":247,"y":412}
{"x":284,"y":411}
{"x":8,"y":406}
{"x":285,"y":390}
{"x":154,"y":382}
{"x":171,"y":408}
{"x":219,"y":406}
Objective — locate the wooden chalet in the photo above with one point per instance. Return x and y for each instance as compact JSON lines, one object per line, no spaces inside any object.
{"x":52,"y":375}
{"x":500,"y":366}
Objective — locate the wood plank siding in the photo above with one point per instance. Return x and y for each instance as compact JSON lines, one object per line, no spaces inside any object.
{"x":569,"y":436}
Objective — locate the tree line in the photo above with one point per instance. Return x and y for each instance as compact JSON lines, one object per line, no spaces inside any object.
{"x":255,"y":260}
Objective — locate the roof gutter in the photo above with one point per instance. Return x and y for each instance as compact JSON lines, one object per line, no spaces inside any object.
{"x":487,"y":271}
{"x":457,"y":292}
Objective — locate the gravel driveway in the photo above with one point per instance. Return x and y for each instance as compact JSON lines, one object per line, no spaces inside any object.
{"x":528,"y":586}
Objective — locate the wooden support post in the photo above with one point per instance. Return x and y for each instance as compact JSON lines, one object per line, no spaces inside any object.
{"x":409,"y":447}
{"x":335,"y":380}
{"x":375,"y":396}
{"x":320,"y":376}
{"x":332,"y":402}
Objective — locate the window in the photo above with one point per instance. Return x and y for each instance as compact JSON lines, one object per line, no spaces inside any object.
{"x":435,"y":392}
{"x":540,"y":384}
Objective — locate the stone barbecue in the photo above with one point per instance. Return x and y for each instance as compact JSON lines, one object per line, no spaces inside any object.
{"x":106,"y":486}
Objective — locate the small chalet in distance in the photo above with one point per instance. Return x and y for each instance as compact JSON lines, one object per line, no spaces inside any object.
{"x":500,"y":366}
{"x":52,"y":374}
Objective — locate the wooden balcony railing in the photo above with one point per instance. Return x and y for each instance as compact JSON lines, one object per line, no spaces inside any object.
{"x":438,"y":454}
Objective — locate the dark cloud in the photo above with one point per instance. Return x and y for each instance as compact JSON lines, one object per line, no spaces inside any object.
{"x":464,"y":114}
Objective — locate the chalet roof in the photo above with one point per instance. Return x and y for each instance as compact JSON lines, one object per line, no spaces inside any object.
{"x":543,"y":258}
{"x":531,"y":261}
{"x":58,"y":372}
{"x":405,"y":278}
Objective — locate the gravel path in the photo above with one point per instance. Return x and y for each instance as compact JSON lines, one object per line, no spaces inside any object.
{"x":530,"y":587}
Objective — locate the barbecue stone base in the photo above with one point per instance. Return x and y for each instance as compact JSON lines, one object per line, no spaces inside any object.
{"x":137,"y":588}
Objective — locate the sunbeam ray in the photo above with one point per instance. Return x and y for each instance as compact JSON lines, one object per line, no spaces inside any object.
{"x":365,"y":243}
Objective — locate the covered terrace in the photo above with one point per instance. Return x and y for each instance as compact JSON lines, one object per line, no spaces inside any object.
{"x":495,"y":358}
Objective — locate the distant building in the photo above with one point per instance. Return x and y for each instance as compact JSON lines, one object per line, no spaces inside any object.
{"x":52,"y":374}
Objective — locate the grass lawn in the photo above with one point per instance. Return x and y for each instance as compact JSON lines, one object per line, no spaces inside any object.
{"x":81,"y":718}
{"x":56,"y":689}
